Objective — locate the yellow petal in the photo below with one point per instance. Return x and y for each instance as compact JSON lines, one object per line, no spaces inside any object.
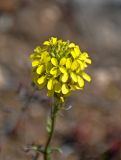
{"x":63,"y":69}
{"x":85,"y":65}
{"x":60,"y":41}
{"x":40,"y":69}
{"x":45,"y":56}
{"x":50,"y":84}
{"x":47,"y":59}
{"x":71,"y":45}
{"x":78,"y":87}
{"x":63,"y":61}
{"x":54,"y":71}
{"x":35,"y":63}
{"x":73,"y":76}
{"x":41,"y":80}
{"x":54,"y":61}
{"x":68,"y":63}
{"x":83,"y":56}
{"x":74,"y":65}
{"x":65,"y":89}
{"x":88,"y":61}
{"x":78,"y":70}
{"x":77,"y":51}
{"x":54,"y":40}
{"x":73,"y":54}
{"x":32,"y":56}
{"x":82,"y":65}
{"x":80,"y":81}
{"x":37,"y":49}
{"x":47,"y":43}
{"x":86,"y":76}
{"x":64,"y":77}
{"x":75,"y":87}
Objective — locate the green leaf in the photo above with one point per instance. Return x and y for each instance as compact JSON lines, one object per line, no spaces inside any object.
{"x":49,"y":150}
{"x":49,"y":125}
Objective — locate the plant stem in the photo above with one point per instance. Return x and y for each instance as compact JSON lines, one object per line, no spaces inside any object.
{"x":53,"y":118}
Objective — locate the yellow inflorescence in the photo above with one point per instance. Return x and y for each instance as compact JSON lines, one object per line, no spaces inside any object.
{"x":59,"y":66}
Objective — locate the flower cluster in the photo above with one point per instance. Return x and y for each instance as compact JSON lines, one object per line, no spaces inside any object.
{"x":59,"y":66}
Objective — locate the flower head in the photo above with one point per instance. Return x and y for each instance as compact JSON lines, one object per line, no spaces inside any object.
{"x":59,"y":67}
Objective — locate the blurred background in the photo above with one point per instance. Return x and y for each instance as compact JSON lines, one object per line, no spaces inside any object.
{"x":91,"y":129}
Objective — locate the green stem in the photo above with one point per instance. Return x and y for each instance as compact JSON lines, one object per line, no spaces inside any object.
{"x":53,"y":118}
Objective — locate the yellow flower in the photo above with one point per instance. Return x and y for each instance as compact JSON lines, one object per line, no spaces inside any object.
{"x":59,"y":67}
